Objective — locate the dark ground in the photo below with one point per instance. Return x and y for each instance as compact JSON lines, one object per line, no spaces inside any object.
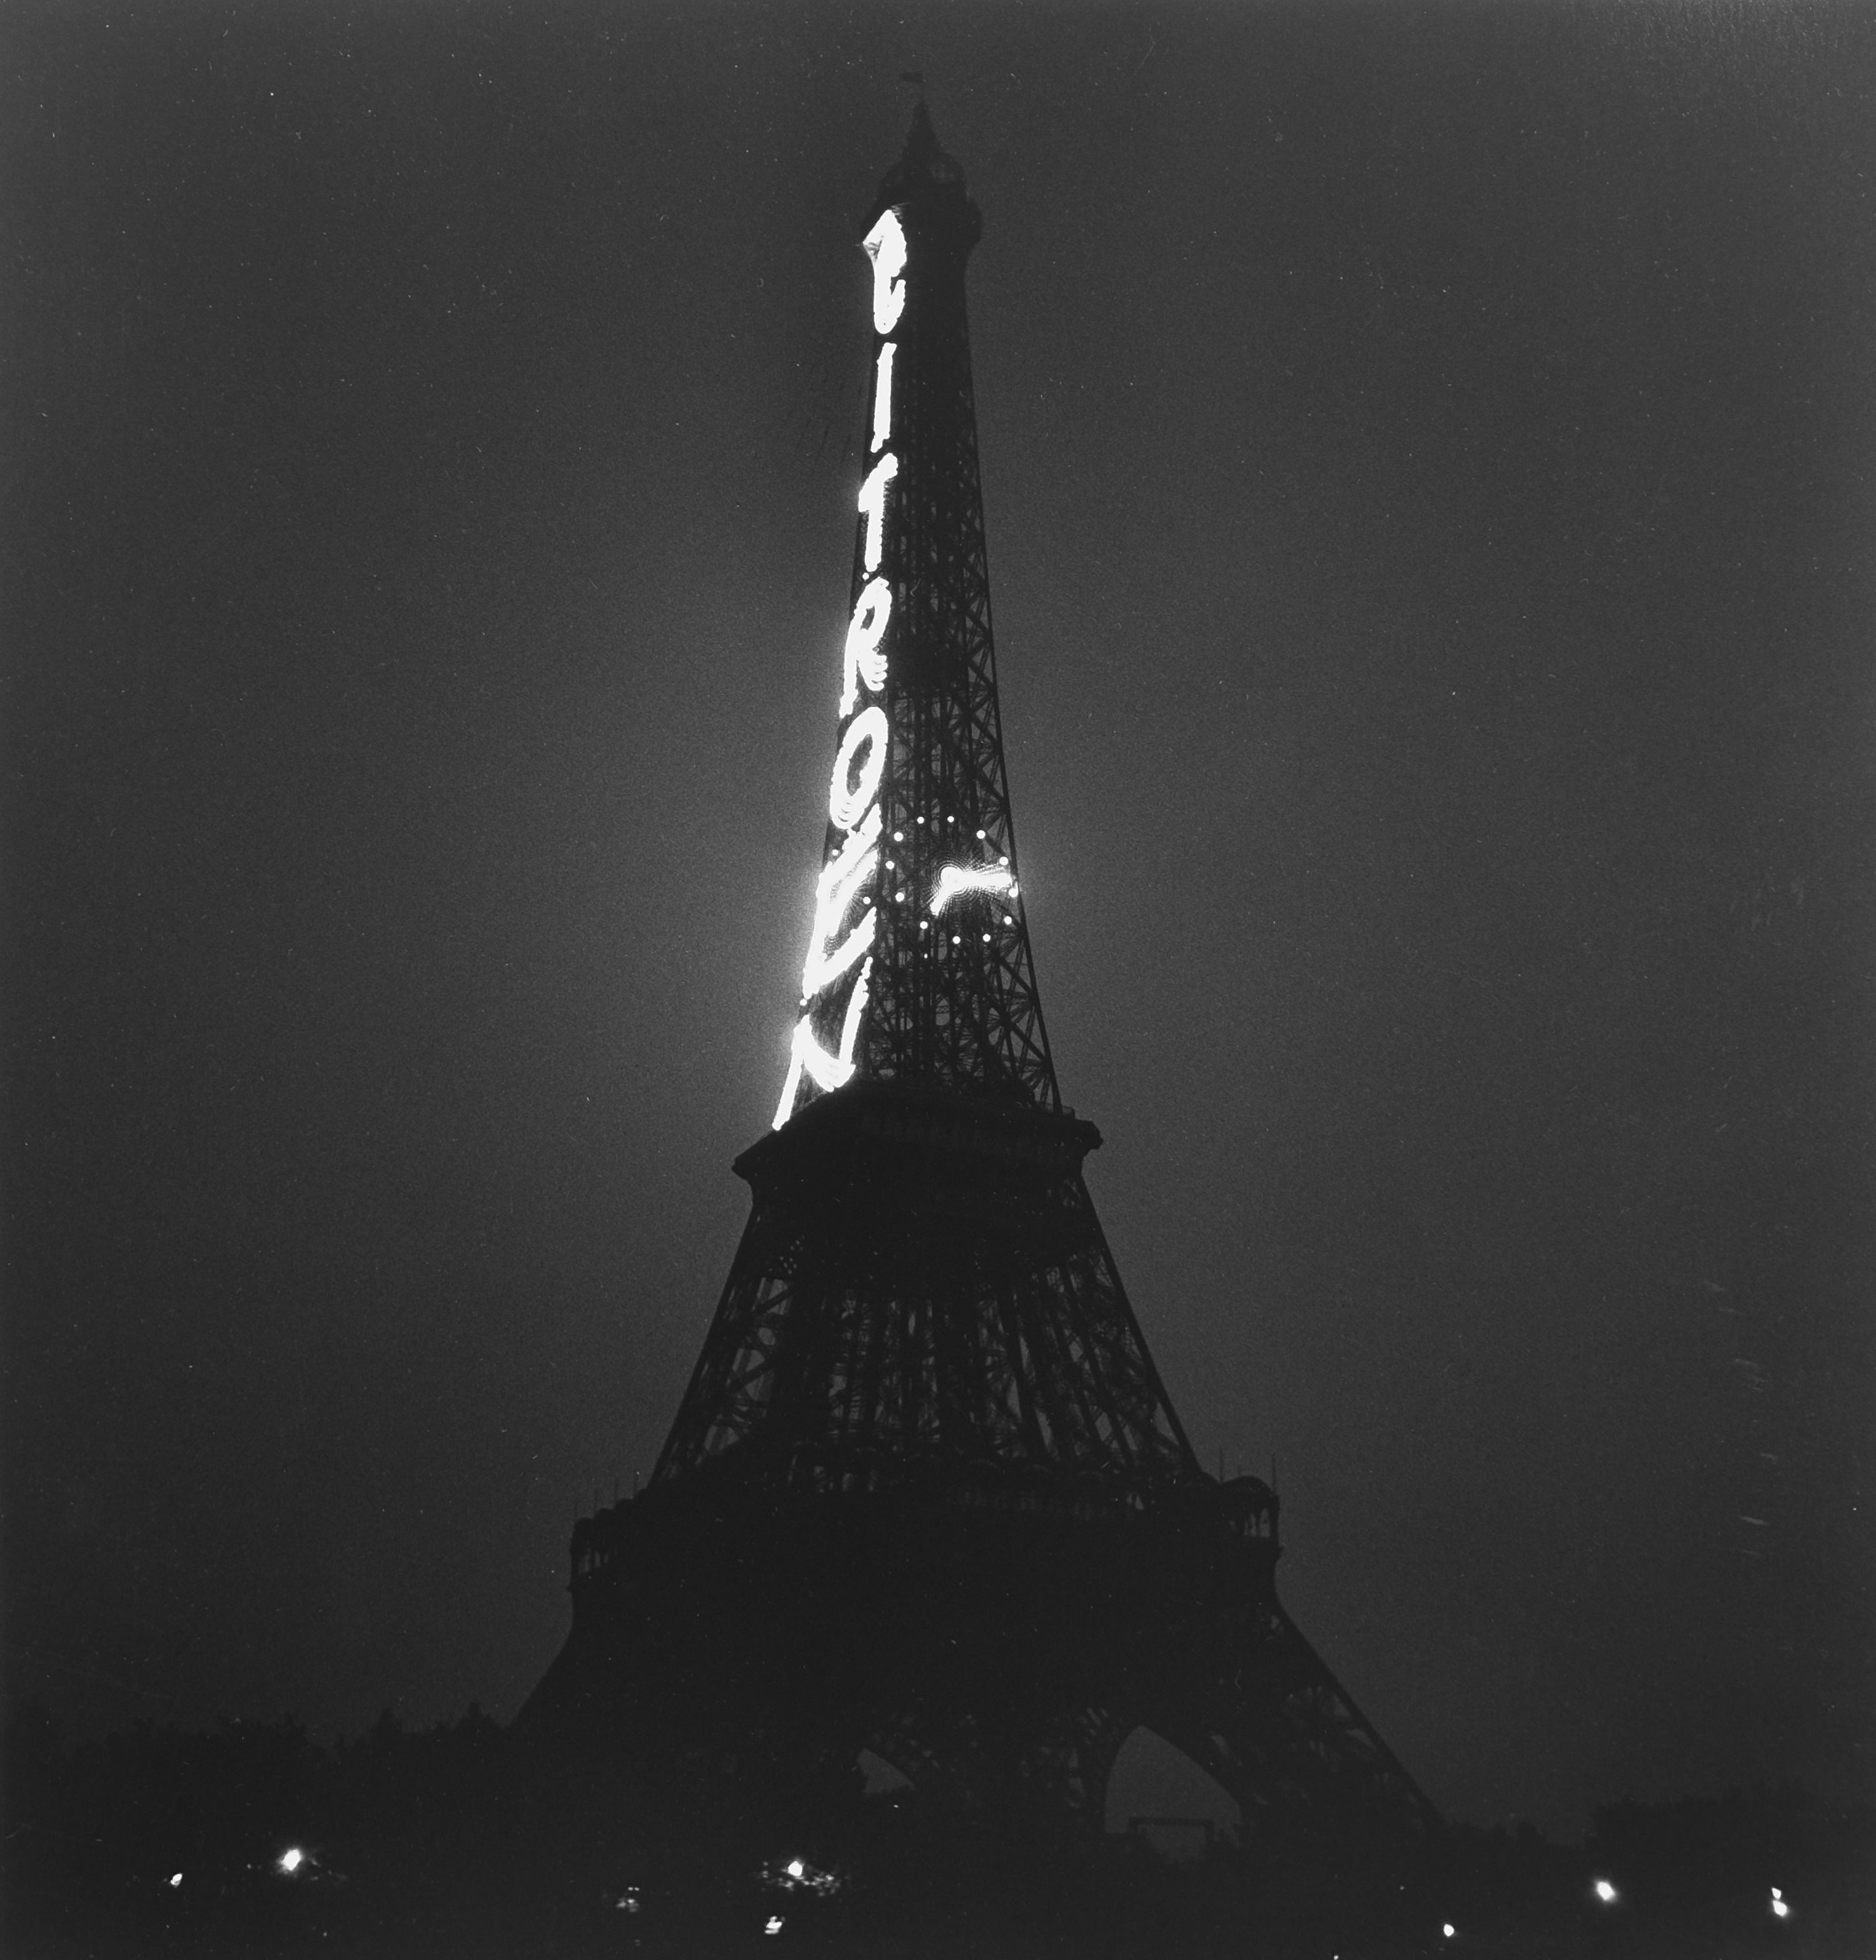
{"x":463,"y":1841}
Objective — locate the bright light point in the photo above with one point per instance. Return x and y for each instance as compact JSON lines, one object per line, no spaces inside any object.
{"x":899,"y":837}
{"x":1446,"y":1928}
{"x":1776,"y":1893}
{"x":957,"y":878}
{"x":1008,"y":920}
{"x":980,"y":836}
{"x":176,"y":1880}
{"x":1780,"y":1910}
{"x":796,"y":1867}
{"x":885,"y":245}
{"x":774,"y":1924}
{"x":1605,"y":1892}
{"x":873,"y":507}
{"x":986,"y":939}
{"x":291,"y":1860}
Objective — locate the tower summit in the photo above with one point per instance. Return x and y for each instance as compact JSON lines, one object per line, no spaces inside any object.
{"x":925,"y":1494}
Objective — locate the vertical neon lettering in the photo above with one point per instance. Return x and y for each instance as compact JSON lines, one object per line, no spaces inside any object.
{"x":885,"y":244}
{"x":883,"y":395}
{"x":865,"y":658}
{"x":807,"y":1057}
{"x":873,"y":507}
{"x":848,"y":795}
{"x":860,"y":764}
{"x":840,"y":883}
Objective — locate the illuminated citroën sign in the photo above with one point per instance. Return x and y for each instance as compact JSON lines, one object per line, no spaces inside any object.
{"x":852,"y":869}
{"x":849,"y":898}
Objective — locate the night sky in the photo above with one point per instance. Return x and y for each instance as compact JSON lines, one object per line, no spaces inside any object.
{"x":1427,"y":462}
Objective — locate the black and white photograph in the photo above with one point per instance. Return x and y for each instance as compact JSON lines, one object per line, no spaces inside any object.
{"x":939,"y":979}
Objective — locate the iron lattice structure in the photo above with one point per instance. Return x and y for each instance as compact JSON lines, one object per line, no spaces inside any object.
{"x":925,"y":1431}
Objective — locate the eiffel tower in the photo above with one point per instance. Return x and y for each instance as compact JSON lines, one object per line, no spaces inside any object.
{"x":926,"y":1494}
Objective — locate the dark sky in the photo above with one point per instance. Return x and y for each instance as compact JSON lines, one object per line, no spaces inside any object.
{"x":1427,"y":462}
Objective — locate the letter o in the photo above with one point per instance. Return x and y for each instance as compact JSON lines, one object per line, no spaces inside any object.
{"x":847,"y":797}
